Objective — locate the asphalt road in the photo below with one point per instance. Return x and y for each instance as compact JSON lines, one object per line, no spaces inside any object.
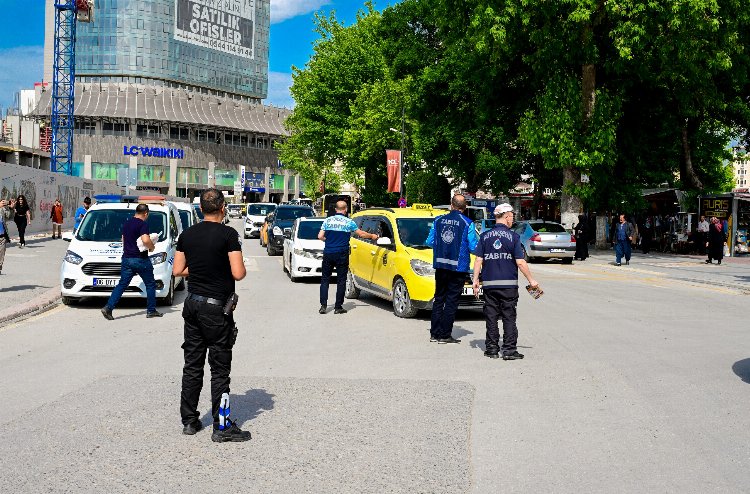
{"x":636,"y":378}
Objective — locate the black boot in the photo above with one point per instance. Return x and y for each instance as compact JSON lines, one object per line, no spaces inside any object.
{"x":492,"y":352}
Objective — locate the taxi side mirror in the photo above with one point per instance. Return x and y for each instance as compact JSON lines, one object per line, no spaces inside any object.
{"x":384,"y":242}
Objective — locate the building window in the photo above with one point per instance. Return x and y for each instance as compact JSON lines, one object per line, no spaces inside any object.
{"x":147,"y":131}
{"x":115,"y":129}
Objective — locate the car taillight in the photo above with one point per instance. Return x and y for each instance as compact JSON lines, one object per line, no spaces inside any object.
{"x":536,"y":238}
{"x":573,"y":238}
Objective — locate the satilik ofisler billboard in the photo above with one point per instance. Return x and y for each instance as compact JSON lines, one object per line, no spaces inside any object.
{"x":224,"y":25}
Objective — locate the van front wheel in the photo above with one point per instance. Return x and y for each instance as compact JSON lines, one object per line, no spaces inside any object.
{"x":402,"y":305}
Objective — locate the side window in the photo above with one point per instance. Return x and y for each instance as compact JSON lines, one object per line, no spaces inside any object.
{"x":359,"y":220}
{"x":369,"y":225}
{"x":294,"y":230}
{"x":383,"y":228}
{"x":173,"y":232}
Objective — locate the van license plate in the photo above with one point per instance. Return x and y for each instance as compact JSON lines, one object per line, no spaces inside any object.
{"x":557,"y":251}
{"x":468,"y":290}
{"x":106,"y":281}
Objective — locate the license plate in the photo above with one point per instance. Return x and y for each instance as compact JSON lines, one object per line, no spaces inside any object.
{"x":469,"y":290}
{"x":106,"y":281}
{"x":556,"y":251}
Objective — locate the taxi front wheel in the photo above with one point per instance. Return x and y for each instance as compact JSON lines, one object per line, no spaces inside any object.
{"x":402,"y":305}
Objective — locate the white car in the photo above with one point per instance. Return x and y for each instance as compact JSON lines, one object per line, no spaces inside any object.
{"x":188,"y":215}
{"x":303,"y":252}
{"x":255,"y":216}
{"x":91,"y":266}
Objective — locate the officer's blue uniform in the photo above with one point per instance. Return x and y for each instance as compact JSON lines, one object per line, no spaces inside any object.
{"x":499,"y":249}
{"x":452,"y":238}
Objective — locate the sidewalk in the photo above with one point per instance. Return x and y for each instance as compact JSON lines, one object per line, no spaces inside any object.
{"x":30,"y":280}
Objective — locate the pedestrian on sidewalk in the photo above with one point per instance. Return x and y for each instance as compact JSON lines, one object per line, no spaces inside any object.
{"x":135,"y":262}
{"x":5,"y":214}
{"x":623,"y":236}
{"x":453,"y":238}
{"x":582,"y":238}
{"x":499,"y":257}
{"x":702,"y":233}
{"x":56,"y":215}
{"x":716,"y":240}
{"x":336,"y":231}
{"x":648,"y":235}
{"x":81,"y":212}
{"x":22,"y":218}
{"x":210,"y":252}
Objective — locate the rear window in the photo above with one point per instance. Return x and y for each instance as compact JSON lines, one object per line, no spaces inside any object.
{"x":308,"y":230}
{"x":293,"y":213}
{"x":260,"y":209}
{"x":548,"y":227}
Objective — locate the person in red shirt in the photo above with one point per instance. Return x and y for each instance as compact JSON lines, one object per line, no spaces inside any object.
{"x":56,"y":215}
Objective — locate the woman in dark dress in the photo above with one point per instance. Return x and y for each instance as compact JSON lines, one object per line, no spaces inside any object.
{"x":646,"y":235}
{"x":582,"y":238}
{"x":22,"y":218}
{"x":715,"y":242}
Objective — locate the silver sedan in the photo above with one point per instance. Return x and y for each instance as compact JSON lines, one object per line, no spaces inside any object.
{"x":546,"y":240}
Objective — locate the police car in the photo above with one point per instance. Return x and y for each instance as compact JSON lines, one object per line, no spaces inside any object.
{"x":91,"y":266}
{"x":398,"y":266}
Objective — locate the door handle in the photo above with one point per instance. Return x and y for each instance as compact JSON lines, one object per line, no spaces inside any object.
{"x":372,"y":252}
{"x":354,"y":246}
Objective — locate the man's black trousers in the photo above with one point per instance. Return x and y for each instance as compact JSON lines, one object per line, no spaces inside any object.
{"x":501,"y":304}
{"x":206,"y":329}
{"x":341,"y":261}
{"x":448,"y":288}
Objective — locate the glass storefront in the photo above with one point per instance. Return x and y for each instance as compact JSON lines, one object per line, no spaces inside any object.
{"x":197,"y":176}
{"x":162,"y":41}
{"x":153,"y":173}
{"x":226,"y":178}
{"x":106,"y":171}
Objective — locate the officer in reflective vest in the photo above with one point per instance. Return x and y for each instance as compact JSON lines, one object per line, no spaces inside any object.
{"x":452,"y":238}
{"x":499,"y":257}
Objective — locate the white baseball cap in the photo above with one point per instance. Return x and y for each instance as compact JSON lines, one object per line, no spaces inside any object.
{"x":503,"y":208}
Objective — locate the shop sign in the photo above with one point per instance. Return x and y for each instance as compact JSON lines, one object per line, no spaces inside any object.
{"x":172,"y":153}
{"x":720,"y":207}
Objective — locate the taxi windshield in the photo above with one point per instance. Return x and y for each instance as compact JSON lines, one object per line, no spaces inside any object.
{"x":105,"y":225}
{"x":413,"y":232}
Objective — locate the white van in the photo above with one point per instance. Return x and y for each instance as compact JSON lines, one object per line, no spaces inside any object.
{"x":91,"y":266}
{"x":255,"y":215}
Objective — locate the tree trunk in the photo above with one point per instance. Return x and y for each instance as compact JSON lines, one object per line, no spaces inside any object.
{"x":571,"y":206}
{"x":538,"y":187}
{"x":688,"y":176}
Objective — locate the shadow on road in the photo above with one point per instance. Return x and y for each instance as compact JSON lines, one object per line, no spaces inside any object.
{"x":742,"y":369}
{"x":244,"y":407}
{"x":20,"y":288}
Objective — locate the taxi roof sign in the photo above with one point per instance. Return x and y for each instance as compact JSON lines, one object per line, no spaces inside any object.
{"x":422,"y":206}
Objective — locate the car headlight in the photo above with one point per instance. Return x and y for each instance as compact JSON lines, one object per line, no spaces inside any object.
{"x":72,"y":257}
{"x":305,"y":253}
{"x":422,"y":268}
{"x":158,"y":258}
{"x":278,"y":231}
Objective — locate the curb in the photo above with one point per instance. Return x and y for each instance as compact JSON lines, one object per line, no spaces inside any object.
{"x":42,"y":303}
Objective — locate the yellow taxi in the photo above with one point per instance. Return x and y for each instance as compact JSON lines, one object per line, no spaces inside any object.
{"x":398,"y":266}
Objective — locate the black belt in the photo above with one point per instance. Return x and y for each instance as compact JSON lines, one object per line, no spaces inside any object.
{"x":207,"y":300}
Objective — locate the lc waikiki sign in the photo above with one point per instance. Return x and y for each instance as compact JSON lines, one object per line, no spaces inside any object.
{"x":178,"y":154}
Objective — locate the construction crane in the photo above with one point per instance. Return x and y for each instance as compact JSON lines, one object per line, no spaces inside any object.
{"x":67,"y":14}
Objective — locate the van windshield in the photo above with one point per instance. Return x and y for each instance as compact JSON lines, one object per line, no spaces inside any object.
{"x":260,"y":209}
{"x":105,"y":225}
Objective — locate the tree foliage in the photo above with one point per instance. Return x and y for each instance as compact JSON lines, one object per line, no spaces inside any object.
{"x":633,"y":94}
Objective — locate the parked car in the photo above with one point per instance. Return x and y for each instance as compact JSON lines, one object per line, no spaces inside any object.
{"x":281,"y":220}
{"x":546,"y":240}
{"x":303,"y":252}
{"x":91,"y":266}
{"x":234,"y":210}
{"x":256,"y":216}
{"x":398,"y":266}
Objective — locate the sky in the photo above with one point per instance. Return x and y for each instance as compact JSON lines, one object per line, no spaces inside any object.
{"x":292,"y":35}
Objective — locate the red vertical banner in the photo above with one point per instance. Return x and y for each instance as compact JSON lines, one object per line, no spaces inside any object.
{"x":393,"y":168}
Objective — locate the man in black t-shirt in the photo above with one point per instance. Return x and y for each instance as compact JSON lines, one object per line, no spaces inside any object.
{"x":211,"y":254}
{"x":135,"y":262}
